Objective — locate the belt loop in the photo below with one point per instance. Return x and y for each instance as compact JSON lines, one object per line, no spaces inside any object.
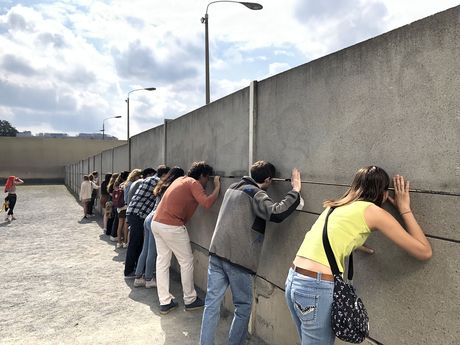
{"x":318,"y":277}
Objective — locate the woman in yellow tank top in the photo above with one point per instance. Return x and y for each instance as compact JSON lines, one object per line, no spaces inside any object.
{"x":358,"y":212}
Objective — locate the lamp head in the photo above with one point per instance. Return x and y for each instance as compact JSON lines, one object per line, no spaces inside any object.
{"x":252,"y":5}
{"x":150,"y":88}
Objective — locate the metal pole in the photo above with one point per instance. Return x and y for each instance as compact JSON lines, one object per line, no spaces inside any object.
{"x":129,"y":139}
{"x":206,"y":40}
{"x":103,"y":130}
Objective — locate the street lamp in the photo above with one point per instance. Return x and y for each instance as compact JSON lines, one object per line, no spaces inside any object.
{"x":103,"y":124}
{"x":204,"y":20}
{"x":127,"y":119}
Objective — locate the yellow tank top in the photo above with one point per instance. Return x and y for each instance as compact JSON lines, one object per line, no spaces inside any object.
{"x":346,"y":230}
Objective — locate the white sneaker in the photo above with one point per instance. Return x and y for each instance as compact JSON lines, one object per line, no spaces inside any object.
{"x":119,"y":245}
{"x":13,"y":218}
{"x":139,"y":282}
{"x":113,"y":239}
{"x":7,"y":218}
{"x":125,"y":245}
{"x":150,"y":283}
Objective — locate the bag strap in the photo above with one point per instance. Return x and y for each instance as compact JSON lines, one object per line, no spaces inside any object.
{"x":330,"y":253}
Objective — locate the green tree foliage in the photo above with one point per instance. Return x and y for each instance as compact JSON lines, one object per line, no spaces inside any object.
{"x":6,"y":130}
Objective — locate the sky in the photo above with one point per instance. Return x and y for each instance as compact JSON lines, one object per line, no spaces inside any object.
{"x":67,"y":65}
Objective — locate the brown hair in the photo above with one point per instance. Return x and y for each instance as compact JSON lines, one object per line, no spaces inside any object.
{"x":261,"y":170}
{"x":369,"y":184}
{"x":166,"y":181}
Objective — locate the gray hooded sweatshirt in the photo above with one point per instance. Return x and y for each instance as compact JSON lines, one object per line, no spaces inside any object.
{"x":240,"y":227}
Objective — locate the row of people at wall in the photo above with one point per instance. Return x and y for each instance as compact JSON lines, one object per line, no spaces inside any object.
{"x":238,"y":236}
{"x":11,"y":197}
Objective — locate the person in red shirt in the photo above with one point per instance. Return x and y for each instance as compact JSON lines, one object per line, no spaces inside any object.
{"x":168,"y":226}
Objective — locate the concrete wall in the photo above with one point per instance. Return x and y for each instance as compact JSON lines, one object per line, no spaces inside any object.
{"x":45,"y":158}
{"x":390,"y":101}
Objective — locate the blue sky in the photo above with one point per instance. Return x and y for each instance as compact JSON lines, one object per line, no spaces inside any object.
{"x":66,"y":65}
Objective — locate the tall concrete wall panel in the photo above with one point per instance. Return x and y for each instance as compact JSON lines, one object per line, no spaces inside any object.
{"x":107,"y":161}
{"x":217,"y":133}
{"x":45,"y":158}
{"x":391,"y":101}
{"x":147,"y":148}
{"x":120,"y":158}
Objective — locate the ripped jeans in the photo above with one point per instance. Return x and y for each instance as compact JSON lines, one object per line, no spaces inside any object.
{"x":309,"y":301}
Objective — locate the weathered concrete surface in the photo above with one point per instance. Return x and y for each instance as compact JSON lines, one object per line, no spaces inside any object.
{"x":391,"y":101}
{"x":216,"y":133}
{"x":147,"y":148}
{"x":120,"y":158}
{"x":45,"y":158}
{"x":62,"y":283}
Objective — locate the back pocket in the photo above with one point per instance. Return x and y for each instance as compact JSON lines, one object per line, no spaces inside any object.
{"x":306,"y":306}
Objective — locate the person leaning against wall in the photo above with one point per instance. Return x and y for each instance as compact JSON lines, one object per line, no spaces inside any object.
{"x":168,"y":226}
{"x":236,"y":245}
{"x":309,"y":285}
{"x":10,"y":199}
{"x":140,"y":206}
{"x":104,"y":198}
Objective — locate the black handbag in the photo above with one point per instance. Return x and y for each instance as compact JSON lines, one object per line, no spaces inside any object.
{"x":349,"y":318}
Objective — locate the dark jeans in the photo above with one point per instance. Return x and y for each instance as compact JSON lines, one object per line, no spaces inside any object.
{"x":91,"y":203}
{"x":108,"y":230}
{"x":114,"y":228}
{"x":12,"y":201}
{"x":136,"y":241}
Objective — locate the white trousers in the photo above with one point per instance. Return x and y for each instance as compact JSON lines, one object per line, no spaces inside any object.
{"x":173,"y":239}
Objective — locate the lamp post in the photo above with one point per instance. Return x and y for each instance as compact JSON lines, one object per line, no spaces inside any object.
{"x":127,"y":119}
{"x":103,"y":124}
{"x":204,"y":20}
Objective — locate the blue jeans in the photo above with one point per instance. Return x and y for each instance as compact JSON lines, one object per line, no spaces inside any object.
{"x":309,"y":301}
{"x":148,"y":258}
{"x":221,"y":274}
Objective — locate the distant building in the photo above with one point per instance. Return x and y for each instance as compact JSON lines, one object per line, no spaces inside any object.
{"x":96,"y":136}
{"x":24,"y":134}
{"x":53,"y":135}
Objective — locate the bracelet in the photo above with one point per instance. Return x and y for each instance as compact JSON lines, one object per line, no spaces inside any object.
{"x":405,"y":212}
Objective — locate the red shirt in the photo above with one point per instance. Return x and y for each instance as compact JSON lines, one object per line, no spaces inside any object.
{"x":181,"y":200}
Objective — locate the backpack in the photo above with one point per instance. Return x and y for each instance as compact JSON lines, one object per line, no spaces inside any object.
{"x":118,"y":198}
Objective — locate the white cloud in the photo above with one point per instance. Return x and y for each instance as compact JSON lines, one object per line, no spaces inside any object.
{"x":277,"y":67}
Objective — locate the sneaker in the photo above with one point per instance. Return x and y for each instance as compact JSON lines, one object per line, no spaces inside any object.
{"x":150,"y":283}
{"x":119,"y":245}
{"x":13,"y":218}
{"x":113,"y":239}
{"x":166,"y":308}
{"x":139,"y":282}
{"x":197,"y":304}
{"x":125,"y":245}
{"x":132,"y":275}
{"x":7,"y":218}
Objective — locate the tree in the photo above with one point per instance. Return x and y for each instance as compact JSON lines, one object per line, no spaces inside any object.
{"x":6,"y":130}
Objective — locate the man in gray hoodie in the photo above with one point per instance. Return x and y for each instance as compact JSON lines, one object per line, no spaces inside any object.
{"x":236,"y":245}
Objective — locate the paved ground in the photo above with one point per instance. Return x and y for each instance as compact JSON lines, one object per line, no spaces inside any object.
{"x":62,"y":282}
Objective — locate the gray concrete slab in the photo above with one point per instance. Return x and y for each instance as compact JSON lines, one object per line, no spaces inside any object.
{"x":147,"y":148}
{"x":217,"y":133}
{"x":62,"y":282}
